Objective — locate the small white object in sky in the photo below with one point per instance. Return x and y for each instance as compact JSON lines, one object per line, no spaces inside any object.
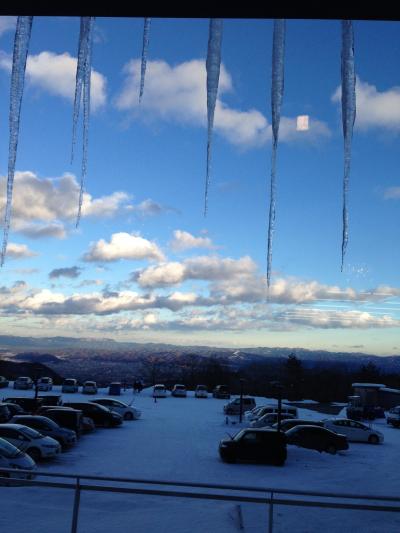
{"x":302,"y":123}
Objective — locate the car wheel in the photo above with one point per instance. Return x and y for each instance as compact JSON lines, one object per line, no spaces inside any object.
{"x":128,"y":416}
{"x":373,"y":439}
{"x":230,"y":459}
{"x":34,"y":453}
{"x":331,"y":449}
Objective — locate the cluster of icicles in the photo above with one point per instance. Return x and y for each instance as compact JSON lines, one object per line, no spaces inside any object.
{"x":213,"y":63}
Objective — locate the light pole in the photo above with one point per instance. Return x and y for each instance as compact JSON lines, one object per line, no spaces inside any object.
{"x":241,"y":381}
{"x":278,"y":389}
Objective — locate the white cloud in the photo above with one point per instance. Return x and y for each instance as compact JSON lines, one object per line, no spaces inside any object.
{"x":183,"y":240}
{"x":56,"y":73}
{"x":178,"y":94}
{"x":123,"y":246}
{"x":7,"y":23}
{"x":42,"y":207}
{"x":200,"y":268}
{"x":392,"y":193}
{"x":375,"y":109}
{"x":19,"y":251}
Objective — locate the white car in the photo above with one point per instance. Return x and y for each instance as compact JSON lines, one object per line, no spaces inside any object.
{"x":126,"y":411}
{"x":12,"y":457}
{"x":258,"y":412}
{"x":89,"y":387}
{"x":201,"y":391}
{"x":179,"y":391}
{"x":159,"y":391}
{"x":23,"y":383}
{"x":30,"y":441}
{"x":45,"y":384}
{"x":354,"y":431}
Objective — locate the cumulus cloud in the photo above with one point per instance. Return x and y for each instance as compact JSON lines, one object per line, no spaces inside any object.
{"x":56,"y":73}
{"x":123,"y":246}
{"x":19,"y":251}
{"x":67,"y":272}
{"x":200,"y":268}
{"x":43,"y":207}
{"x":375,"y":109}
{"x":177,"y":93}
{"x":183,"y":240}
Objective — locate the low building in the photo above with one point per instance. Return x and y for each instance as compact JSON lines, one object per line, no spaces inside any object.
{"x":376,"y":395}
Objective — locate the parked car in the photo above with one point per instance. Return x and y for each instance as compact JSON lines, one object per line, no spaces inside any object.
{"x":201,"y":391}
{"x":114,"y":389}
{"x":5,"y":414}
{"x":260,"y":445}
{"x":45,"y":384}
{"x":393,"y":416}
{"x":29,"y":405}
{"x":48,"y":427}
{"x":221,"y":391}
{"x":13,"y":457}
{"x":51,"y":399}
{"x":289,"y":423}
{"x":179,"y":391}
{"x":159,"y":391}
{"x":126,"y":411}
{"x":100,"y":415}
{"x":269,"y":419}
{"x":14,"y":408}
{"x":266,"y":409}
{"x":23,"y":383}
{"x":3,"y":382}
{"x":317,"y":438}
{"x":89,"y":387}
{"x":30,"y":441}
{"x":70,"y":385}
{"x":354,"y":431}
{"x":65,"y":417}
{"x":233,"y":407}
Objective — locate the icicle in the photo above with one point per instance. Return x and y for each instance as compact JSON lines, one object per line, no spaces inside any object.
{"x":213,"y":64}
{"x":348,"y":118}
{"x":278,"y":54}
{"x":80,"y":67}
{"x":21,"y":46}
{"x":86,"y":37}
{"x":146,"y":35}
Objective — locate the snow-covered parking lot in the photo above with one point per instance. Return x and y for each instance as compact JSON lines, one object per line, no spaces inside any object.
{"x":177,"y":439}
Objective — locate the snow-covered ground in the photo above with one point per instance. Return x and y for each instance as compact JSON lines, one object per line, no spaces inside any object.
{"x":177,"y":440}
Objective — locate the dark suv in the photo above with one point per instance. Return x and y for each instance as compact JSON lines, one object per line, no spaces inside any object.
{"x":100,"y":415}
{"x":258,"y":445}
{"x":65,"y":417}
{"x":221,"y":391}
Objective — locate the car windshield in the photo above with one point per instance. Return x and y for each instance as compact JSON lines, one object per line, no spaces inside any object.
{"x":239,"y":435}
{"x":69,"y":382}
{"x":201,"y":387}
{"x":8,"y":450}
{"x":45,"y":380}
{"x":31,"y":433}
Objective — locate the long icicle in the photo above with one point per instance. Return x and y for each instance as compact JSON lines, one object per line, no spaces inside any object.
{"x":20,"y":54}
{"x":80,"y":67}
{"x":146,"y":36}
{"x":213,"y":65}
{"x":348,"y":118}
{"x":88,"y":38}
{"x":278,"y":56}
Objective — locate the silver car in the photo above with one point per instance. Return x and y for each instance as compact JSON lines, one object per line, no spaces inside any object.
{"x":12,"y":457}
{"x":354,"y":431}
{"x":30,"y":441}
{"x":126,"y":411}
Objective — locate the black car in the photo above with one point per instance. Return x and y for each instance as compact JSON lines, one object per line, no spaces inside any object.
{"x":100,"y":415}
{"x":29,"y":405}
{"x":14,"y":408}
{"x":317,"y":438}
{"x":258,"y":445}
{"x":289,"y":423}
{"x":221,"y":391}
{"x":48,"y":427}
{"x":51,"y":399}
{"x":65,"y":417}
{"x":5,"y":414}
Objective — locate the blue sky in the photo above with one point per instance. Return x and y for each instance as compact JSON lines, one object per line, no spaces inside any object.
{"x":144,"y":264}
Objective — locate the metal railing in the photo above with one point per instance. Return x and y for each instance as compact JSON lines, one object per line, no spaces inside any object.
{"x":268,"y":496}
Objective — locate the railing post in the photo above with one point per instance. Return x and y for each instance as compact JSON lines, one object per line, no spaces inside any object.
{"x":75,"y":512}
{"x":271,"y":514}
